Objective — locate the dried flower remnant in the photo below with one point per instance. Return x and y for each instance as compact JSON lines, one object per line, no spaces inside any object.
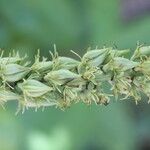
{"x":63,"y":81}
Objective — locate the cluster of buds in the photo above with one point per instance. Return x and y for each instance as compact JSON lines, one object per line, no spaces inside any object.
{"x":62,"y":81}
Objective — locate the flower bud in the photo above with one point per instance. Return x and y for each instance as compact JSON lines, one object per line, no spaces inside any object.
{"x":14,"y":72}
{"x":60,"y":77}
{"x":34,"y":88}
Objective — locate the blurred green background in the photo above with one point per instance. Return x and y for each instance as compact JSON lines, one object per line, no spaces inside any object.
{"x":28,"y":25}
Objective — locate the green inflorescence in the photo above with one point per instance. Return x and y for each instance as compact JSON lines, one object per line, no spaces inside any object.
{"x":63,"y":81}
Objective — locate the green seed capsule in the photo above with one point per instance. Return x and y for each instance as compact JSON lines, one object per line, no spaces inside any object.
{"x":33,"y":88}
{"x":124,"y":63}
{"x":116,"y":53}
{"x":14,"y":72}
{"x":120,"y":53}
{"x":65,"y":63}
{"x":60,"y":77}
{"x":95,"y":58}
{"x":42,"y":67}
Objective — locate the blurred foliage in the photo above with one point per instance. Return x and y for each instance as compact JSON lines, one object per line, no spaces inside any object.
{"x":32,"y":24}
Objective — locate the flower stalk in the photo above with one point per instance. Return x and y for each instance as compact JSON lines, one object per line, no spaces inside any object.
{"x":62,"y":81}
